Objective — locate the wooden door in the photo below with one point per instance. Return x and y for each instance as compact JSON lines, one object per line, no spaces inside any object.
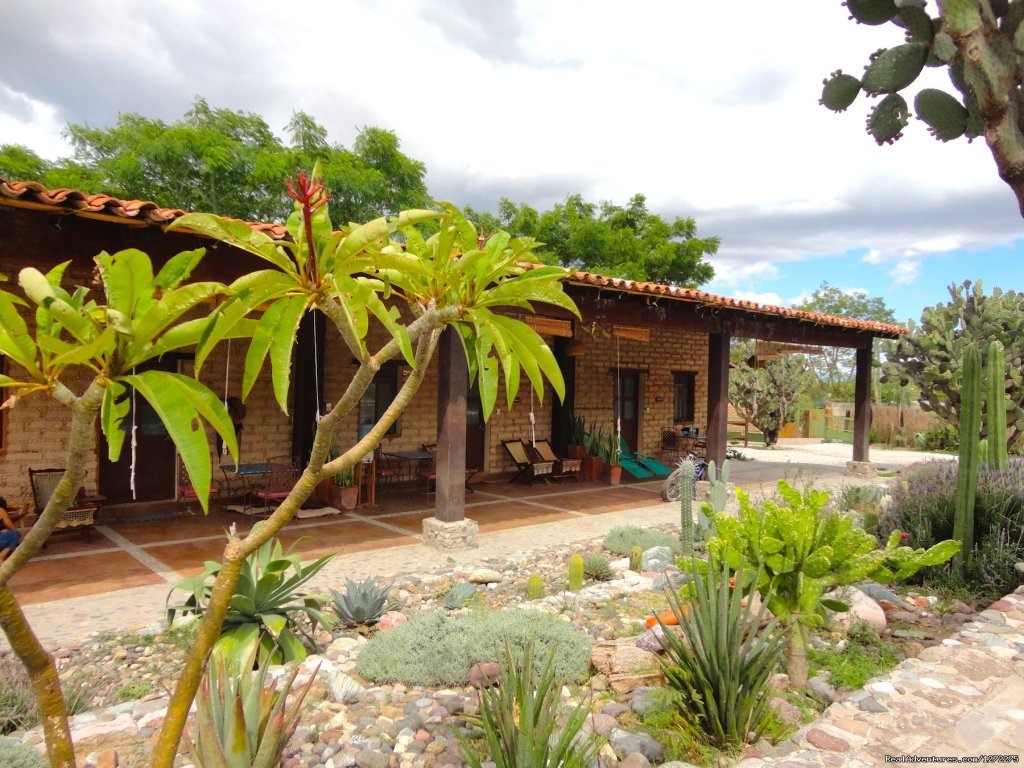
{"x":627,"y":406}
{"x":476,"y":441}
{"x":155,"y":455}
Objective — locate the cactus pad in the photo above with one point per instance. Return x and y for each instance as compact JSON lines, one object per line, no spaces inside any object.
{"x":945,"y":115}
{"x":871,"y":12}
{"x":840,"y":91}
{"x":917,"y":23}
{"x":888,"y":119}
{"x":893,"y":69}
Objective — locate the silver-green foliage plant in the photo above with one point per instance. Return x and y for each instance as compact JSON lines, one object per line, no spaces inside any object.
{"x":362,"y":603}
{"x":800,"y":551}
{"x":267,"y":607}
{"x":436,"y":649}
{"x":524,"y":721}
{"x":241,"y":721}
{"x":622,"y":538}
{"x":14,"y":754}
{"x":721,"y":664}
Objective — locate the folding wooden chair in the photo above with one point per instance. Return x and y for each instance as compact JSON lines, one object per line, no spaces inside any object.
{"x":542,"y":452}
{"x":528,"y":469}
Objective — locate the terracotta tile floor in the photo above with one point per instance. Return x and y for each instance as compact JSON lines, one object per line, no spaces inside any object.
{"x":126,"y":555}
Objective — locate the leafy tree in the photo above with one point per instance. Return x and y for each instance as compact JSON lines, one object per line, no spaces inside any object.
{"x":629,"y":242}
{"x":444,"y":280}
{"x":835,"y":366}
{"x":18,"y":162}
{"x":930,"y":356}
{"x":764,"y":395}
{"x":979,"y":44}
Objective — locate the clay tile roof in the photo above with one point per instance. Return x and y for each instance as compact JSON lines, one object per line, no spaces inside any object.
{"x":143,"y":211}
{"x":36,"y":195}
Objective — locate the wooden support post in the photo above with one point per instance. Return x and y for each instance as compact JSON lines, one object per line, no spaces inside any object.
{"x":453,"y":375}
{"x":718,"y":396}
{"x":862,"y":406}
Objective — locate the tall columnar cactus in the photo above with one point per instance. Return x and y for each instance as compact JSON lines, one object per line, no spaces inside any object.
{"x":535,"y":587}
{"x":967,"y":473}
{"x":687,"y":470}
{"x":996,"y":407}
{"x":636,"y":559}
{"x":575,"y":573}
{"x":979,"y":44}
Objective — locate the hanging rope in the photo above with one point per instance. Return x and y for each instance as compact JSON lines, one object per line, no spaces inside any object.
{"x":227,"y":373}
{"x":618,"y":391}
{"x":135,"y":443}
{"x":533,"y":422}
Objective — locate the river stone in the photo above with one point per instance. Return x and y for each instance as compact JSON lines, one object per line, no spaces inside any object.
{"x":343,"y":689}
{"x":658,"y":558}
{"x":627,"y":743}
{"x":485,"y":576}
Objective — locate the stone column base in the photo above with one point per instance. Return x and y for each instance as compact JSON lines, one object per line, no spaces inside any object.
{"x":450,"y":537}
{"x":861,"y":469}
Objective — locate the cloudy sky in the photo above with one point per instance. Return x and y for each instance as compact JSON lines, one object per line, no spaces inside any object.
{"x":708,"y":108}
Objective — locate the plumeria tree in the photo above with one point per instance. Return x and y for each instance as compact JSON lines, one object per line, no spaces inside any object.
{"x":385,"y":273}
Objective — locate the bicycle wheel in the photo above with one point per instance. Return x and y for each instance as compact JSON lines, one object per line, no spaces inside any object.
{"x":670,"y":488}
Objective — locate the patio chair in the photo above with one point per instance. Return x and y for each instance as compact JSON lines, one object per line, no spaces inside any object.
{"x":648,"y":464}
{"x":528,"y":469}
{"x":542,"y":451}
{"x":670,"y":447}
{"x":280,"y":479}
{"x":185,"y":490}
{"x":386,"y":468}
{"x":80,"y":516}
{"x":428,"y":467}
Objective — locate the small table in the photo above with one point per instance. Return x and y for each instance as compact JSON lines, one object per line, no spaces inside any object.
{"x":413,"y":458}
{"x":248,"y":474}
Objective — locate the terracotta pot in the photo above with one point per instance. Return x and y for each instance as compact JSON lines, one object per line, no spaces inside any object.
{"x":345,"y":498}
{"x":575,"y":452}
{"x":612,"y":474}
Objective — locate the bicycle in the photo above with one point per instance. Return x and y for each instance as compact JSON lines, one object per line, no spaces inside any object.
{"x":670,"y":488}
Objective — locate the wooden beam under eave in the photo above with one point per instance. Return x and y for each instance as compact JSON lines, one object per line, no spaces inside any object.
{"x":453,"y":376}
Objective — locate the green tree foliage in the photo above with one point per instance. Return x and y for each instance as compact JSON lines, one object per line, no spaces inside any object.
{"x":629,"y":242}
{"x":979,"y":43}
{"x":764,"y":392}
{"x":229,"y":163}
{"x":931,"y":355}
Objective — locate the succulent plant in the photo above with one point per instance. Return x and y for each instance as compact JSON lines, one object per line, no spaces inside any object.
{"x":967,"y":471}
{"x":575,"y":573}
{"x":534,"y":587}
{"x":636,"y":559}
{"x":687,"y":470}
{"x":362,"y":603}
{"x":996,"y":408}
{"x":459,"y":595}
{"x":597,"y":567}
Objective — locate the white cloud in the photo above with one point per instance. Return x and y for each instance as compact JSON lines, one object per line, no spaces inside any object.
{"x":905,"y":273}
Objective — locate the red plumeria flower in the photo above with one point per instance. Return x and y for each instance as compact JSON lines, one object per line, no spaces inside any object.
{"x":308,"y":192}
{"x":904,"y":536}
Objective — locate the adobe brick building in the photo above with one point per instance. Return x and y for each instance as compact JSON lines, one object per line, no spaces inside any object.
{"x":654,"y":354}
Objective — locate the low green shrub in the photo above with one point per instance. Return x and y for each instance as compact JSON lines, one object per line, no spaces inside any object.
{"x":16,"y":755}
{"x":18,"y":709}
{"x":866,"y":656}
{"x":435,"y":649}
{"x":944,"y":439}
{"x":622,"y":538}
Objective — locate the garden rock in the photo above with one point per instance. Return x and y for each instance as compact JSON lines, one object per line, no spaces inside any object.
{"x":626,"y":744}
{"x":484,"y":674}
{"x":459,"y":596}
{"x":626,"y":666}
{"x":635,"y":760}
{"x":642,"y":700}
{"x":390,"y":620}
{"x":652,"y":640}
{"x":672,"y":578}
{"x":822,"y":688}
{"x":882,"y":595}
{"x":485,"y":576}
{"x":862,"y":609}
{"x":658,"y":559}
{"x":343,"y":689}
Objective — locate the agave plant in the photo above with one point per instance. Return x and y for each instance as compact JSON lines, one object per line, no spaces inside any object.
{"x":719,"y":667}
{"x":362,"y":602}
{"x":520,"y":720}
{"x":241,"y":722}
{"x":266,"y":609}
{"x":597,"y":567}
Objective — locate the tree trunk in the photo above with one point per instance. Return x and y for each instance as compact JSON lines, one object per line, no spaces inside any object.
{"x":796,"y":655}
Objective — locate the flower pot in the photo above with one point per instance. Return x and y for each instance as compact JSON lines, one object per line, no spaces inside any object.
{"x":612,"y":474}
{"x":575,"y":452}
{"x":590,"y":469}
{"x":345,"y":498}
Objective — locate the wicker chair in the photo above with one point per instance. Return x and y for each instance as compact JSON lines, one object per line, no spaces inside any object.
{"x":80,"y":516}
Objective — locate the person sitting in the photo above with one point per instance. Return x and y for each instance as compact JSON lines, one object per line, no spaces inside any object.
{"x":9,"y":536}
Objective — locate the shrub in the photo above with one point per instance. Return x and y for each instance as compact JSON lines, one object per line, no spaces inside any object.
{"x":18,"y":709}
{"x":923,"y":505}
{"x":435,"y":649}
{"x":943,"y":438}
{"x":15,"y":755}
{"x":860,"y":498}
{"x":623,"y":538}
{"x":520,"y":719}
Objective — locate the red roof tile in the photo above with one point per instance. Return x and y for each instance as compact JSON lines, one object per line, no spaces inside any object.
{"x":150,"y":213}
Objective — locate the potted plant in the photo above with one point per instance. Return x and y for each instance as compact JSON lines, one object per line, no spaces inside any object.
{"x":345,"y":495}
{"x":591,"y":466}
{"x":577,"y":448}
{"x":612,"y":470}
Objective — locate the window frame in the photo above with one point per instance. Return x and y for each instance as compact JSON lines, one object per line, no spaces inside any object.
{"x":684,"y":412}
{"x":390,"y":373}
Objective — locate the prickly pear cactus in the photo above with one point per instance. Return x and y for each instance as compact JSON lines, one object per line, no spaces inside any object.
{"x":636,"y":559}
{"x":997,"y":458}
{"x":945,"y":116}
{"x":967,"y":472}
{"x":687,"y":470}
{"x":575,"y":573}
{"x":535,"y":587}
